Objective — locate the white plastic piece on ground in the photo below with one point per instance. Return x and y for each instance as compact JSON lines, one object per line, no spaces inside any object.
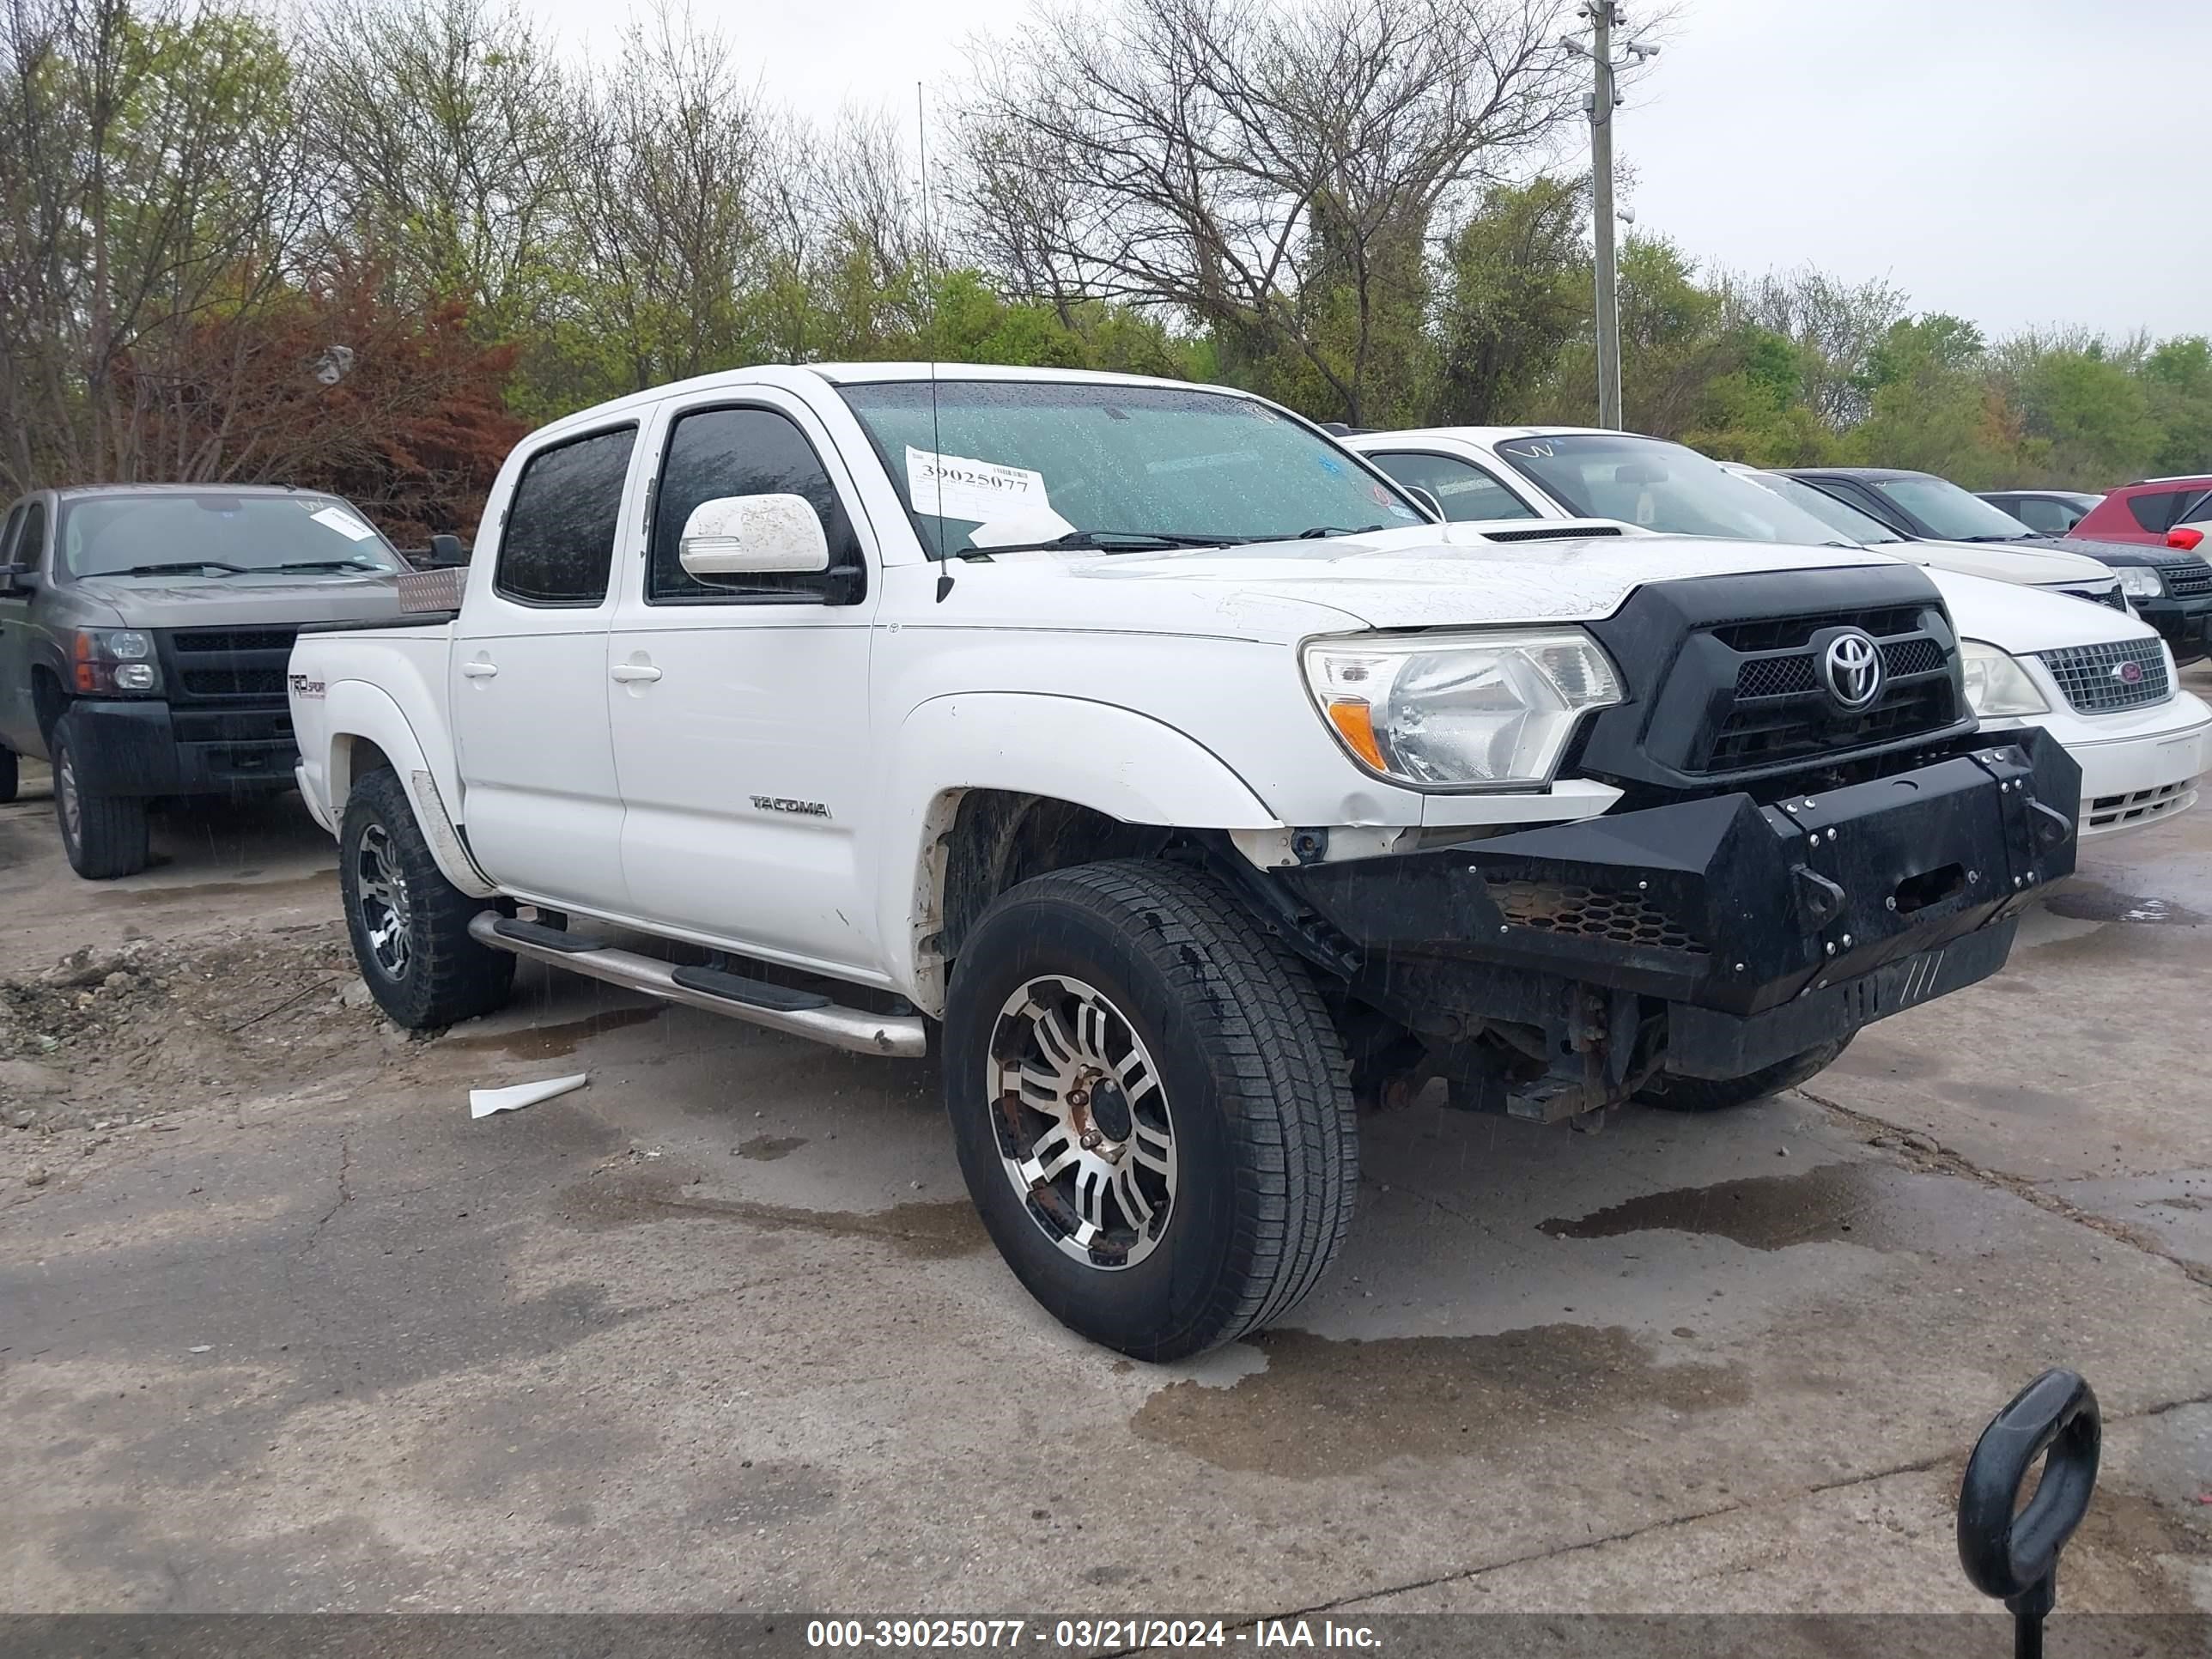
{"x":482,"y":1102}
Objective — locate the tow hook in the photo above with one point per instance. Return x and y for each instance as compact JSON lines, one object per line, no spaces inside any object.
{"x":2012,"y":1554}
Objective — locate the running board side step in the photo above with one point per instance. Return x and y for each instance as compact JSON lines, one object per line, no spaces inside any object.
{"x":799,"y":1013}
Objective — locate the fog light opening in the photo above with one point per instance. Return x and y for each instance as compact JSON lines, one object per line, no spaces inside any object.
{"x":1929,"y":887}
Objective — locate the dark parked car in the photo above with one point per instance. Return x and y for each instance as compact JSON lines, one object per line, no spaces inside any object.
{"x":144,"y":631}
{"x":2047,"y":511}
{"x":2170,"y":589}
{"x":2143,"y":511}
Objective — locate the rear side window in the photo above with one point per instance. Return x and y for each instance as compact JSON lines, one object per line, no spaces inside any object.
{"x":713,"y":452}
{"x":2159,"y":510}
{"x":2041,"y":513}
{"x":558,"y":543}
{"x":7,"y":536}
{"x":1465,"y":491}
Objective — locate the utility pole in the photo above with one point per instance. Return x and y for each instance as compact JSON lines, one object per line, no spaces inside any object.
{"x":1603,"y":98}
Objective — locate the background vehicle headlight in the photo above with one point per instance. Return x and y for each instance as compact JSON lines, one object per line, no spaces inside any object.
{"x":1995,"y":684}
{"x":1492,"y":710}
{"x":109,"y":660}
{"x":2139,"y":581}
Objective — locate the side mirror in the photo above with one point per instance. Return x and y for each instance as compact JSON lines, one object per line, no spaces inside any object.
{"x":754,"y":536}
{"x":18,"y":578}
{"x":1427,"y":498}
{"x":2185,"y":537}
{"x":446,"y":552}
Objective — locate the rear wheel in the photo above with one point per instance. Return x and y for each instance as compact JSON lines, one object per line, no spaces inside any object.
{"x":104,"y":836}
{"x":1703,"y":1094}
{"x":409,"y":925}
{"x":1150,"y":1106}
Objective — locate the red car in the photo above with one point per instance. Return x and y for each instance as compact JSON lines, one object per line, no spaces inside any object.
{"x":2142,"y":511}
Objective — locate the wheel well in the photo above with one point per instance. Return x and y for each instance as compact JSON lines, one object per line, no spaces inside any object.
{"x":999,"y":838}
{"x":353,"y":759}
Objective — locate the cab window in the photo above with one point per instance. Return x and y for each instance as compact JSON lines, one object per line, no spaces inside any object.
{"x":1465,"y":491}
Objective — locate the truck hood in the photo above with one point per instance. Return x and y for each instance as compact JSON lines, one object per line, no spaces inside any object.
{"x":2020,"y":621}
{"x":2138,"y":553}
{"x":1421,"y":576}
{"x":245,"y":601}
{"x":2032,"y":563}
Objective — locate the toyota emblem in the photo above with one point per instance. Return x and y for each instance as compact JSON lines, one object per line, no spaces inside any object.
{"x":1851,"y":665}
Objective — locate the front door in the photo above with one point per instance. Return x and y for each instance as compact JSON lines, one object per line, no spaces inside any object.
{"x":740,"y":707}
{"x":529,"y":695}
{"x":18,"y":725}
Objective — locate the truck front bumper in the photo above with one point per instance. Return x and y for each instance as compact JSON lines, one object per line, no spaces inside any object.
{"x":1714,"y":937}
{"x":144,"y":747}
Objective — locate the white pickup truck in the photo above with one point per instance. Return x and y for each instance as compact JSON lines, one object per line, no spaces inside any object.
{"x":1168,"y":764}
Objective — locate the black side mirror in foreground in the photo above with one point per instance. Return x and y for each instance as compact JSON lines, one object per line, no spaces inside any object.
{"x":445,"y":551}
{"x":2012,"y":1552}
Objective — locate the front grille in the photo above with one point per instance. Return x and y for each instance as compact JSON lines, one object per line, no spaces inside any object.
{"x":2093,"y":677}
{"x":203,"y":642}
{"x":1590,"y":913}
{"x":233,"y":681}
{"x":228,"y":668}
{"x":2188,"y":581}
{"x":1781,"y":713}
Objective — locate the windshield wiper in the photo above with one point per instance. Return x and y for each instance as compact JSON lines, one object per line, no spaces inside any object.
{"x":182,"y":567}
{"x":1321,"y":532}
{"x":1993,"y":538}
{"x":327,"y":564}
{"x":1105,"y":541}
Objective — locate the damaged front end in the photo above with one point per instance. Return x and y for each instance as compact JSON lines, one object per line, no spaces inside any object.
{"x":1554,"y":972}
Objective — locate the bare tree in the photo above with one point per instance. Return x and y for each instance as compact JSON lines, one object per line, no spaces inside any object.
{"x":448,"y":128}
{"x":154,"y":202}
{"x":1836,"y":325}
{"x":1273,"y":174}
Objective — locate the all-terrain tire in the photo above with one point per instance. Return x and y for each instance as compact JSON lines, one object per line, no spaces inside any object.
{"x":408,"y":925}
{"x":10,"y":775}
{"x":1250,"y":1082}
{"x":1703,"y":1094}
{"x":104,"y":836}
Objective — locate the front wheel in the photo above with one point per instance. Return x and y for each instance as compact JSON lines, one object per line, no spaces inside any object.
{"x":409,"y":925}
{"x":104,"y":836}
{"x":1702,"y":1094}
{"x":1151,"y":1105}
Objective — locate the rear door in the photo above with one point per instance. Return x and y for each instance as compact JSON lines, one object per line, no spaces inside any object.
{"x":741,"y":721}
{"x":529,"y":695}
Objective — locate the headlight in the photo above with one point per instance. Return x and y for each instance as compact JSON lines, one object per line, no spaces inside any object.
{"x":111,"y":660}
{"x":1492,"y":710}
{"x":1995,"y":684}
{"x":2139,"y":581}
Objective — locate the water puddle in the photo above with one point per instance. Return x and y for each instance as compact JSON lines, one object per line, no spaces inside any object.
{"x":930,"y":1231}
{"x":551,"y":1041}
{"x":1845,"y":1202}
{"x":1324,"y":1407}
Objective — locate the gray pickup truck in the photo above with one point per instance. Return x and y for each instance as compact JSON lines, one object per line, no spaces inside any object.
{"x":144,"y":635}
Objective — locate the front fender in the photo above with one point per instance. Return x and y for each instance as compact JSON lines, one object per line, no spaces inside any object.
{"x":1126,"y":765}
{"x":357,"y":712}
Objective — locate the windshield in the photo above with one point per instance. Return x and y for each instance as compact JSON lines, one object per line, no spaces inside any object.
{"x":1839,"y":516}
{"x":1661,"y":486}
{"x":1950,"y":514}
{"x":1001,"y":463}
{"x":221,"y":534}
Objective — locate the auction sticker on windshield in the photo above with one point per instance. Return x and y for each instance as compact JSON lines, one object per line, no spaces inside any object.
{"x":343,"y":522}
{"x":958,"y":487}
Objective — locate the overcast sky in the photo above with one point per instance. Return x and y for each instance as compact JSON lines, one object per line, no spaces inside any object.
{"x":2022,"y":162}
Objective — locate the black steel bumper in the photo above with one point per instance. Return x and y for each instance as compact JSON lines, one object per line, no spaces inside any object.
{"x":1745,"y":932}
{"x":147,"y":748}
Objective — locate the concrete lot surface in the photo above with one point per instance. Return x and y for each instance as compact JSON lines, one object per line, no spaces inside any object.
{"x":280,"y":1327}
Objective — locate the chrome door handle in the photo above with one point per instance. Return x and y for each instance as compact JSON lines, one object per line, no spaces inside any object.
{"x":629,"y":673}
{"x":479,"y":671}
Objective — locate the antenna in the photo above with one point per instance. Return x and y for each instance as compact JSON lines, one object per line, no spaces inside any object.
{"x":929,"y":322}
